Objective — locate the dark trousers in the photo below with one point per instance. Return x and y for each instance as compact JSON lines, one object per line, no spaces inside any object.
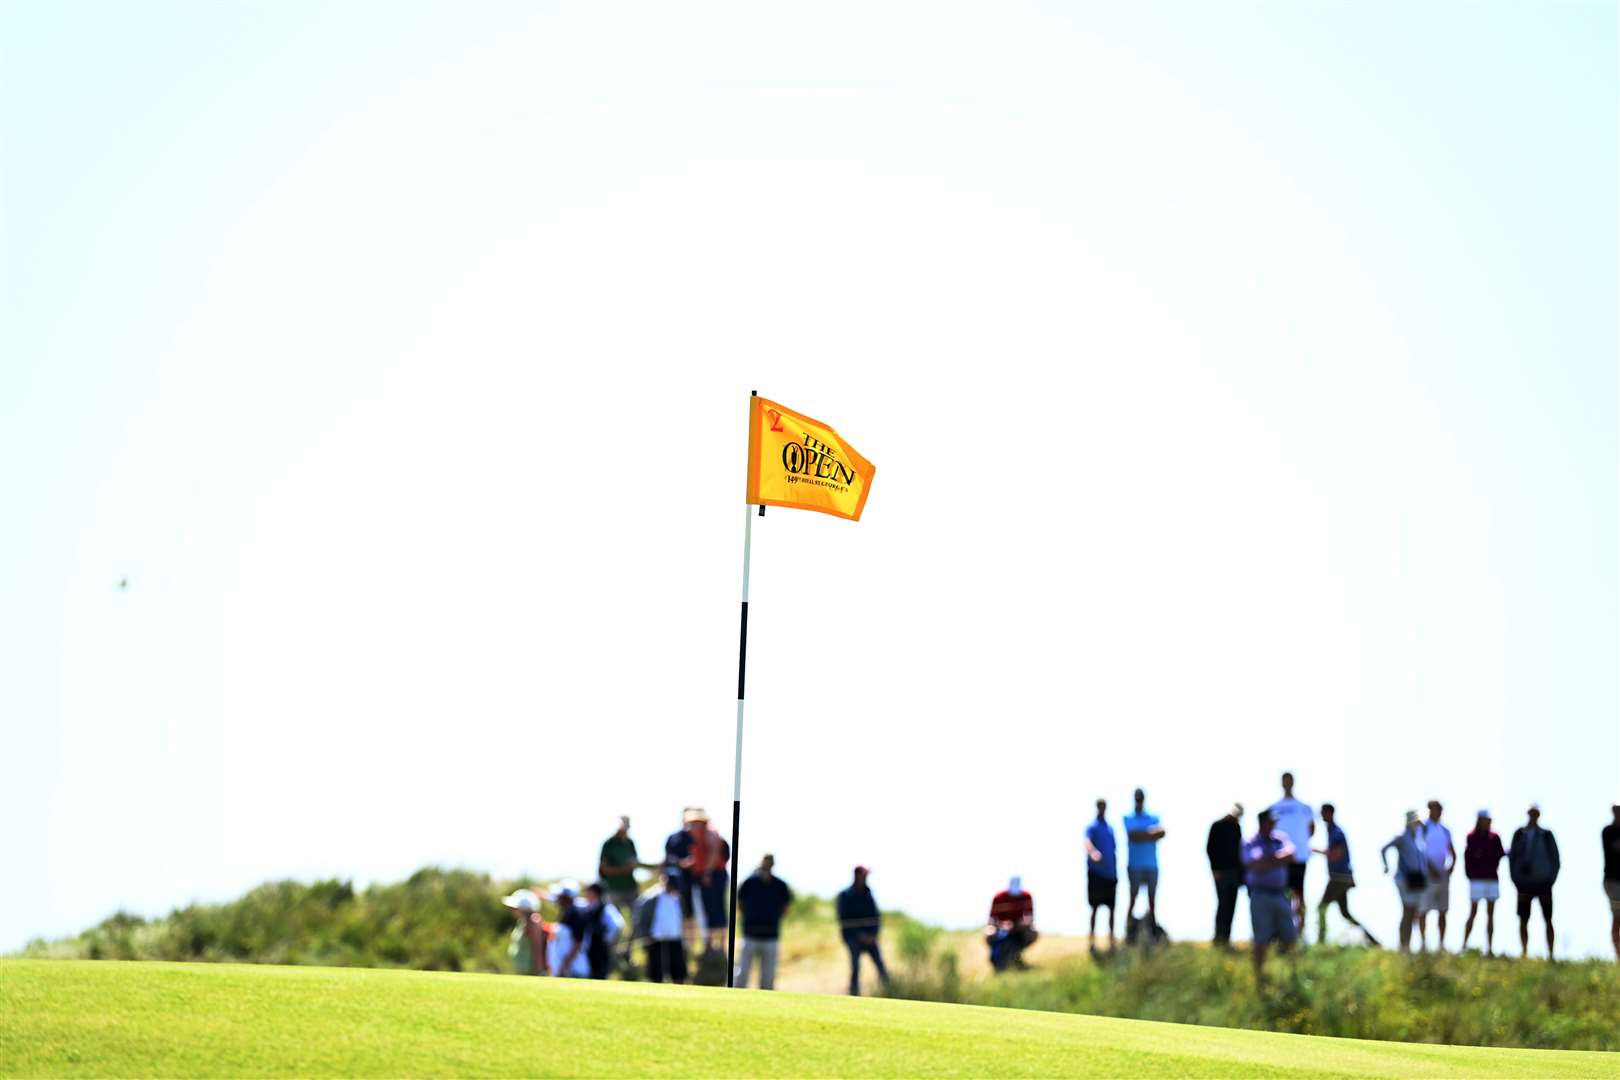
{"x":857,"y":946}
{"x":666,"y":958}
{"x":1227,"y":885}
{"x":599,"y":954}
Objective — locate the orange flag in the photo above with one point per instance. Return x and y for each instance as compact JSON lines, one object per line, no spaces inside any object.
{"x":799,"y":462}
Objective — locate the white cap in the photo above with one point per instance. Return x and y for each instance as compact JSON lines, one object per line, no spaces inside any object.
{"x":523,"y":900}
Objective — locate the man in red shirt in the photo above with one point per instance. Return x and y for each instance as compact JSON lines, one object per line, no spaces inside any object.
{"x":1482,"y":854}
{"x":1012,"y":926}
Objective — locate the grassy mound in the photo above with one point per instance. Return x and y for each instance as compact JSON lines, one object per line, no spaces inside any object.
{"x":75,"y":1018}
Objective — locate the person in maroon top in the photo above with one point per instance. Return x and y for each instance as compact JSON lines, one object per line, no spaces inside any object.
{"x":1012,"y":925}
{"x":1482,"y":854}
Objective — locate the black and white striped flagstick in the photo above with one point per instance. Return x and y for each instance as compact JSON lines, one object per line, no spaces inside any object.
{"x":736,"y":777}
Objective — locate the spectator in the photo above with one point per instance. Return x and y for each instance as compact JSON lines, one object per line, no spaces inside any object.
{"x":678,"y":856}
{"x":1411,"y":877}
{"x":1295,"y":820}
{"x":1225,"y":850}
{"x":707,"y":863}
{"x":1012,"y":926}
{"x":659,"y":919}
{"x":1143,"y":833}
{"x":566,"y":954}
{"x":527,"y":949}
{"x":1341,"y":879}
{"x":860,"y":922}
{"x":1267,"y":858}
{"x":1440,"y":859}
{"x":1533,"y":865}
{"x":1482,"y":856}
{"x":1102,"y":871}
{"x":604,"y":926}
{"x":617,"y":866}
{"x":1611,"y":875}
{"x":762,"y":900}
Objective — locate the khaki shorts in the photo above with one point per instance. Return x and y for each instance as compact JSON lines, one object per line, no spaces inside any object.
{"x":1611,"y":889}
{"x":1437,"y":897}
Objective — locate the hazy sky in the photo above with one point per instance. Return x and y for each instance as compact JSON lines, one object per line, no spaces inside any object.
{"x":1241,"y":382}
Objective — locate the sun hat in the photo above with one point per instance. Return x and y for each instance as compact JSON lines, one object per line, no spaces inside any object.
{"x":1411,"y":816}
{"x":694,"y":813}
{"x":522,"y":900}
{"x":1237,"y":810}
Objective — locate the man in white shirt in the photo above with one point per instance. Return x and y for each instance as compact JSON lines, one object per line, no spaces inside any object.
{"x":1440,"y":857}
{"x":1297,"y":821}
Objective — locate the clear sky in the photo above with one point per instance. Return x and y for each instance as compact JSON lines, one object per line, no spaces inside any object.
{"x":1241,"y":381}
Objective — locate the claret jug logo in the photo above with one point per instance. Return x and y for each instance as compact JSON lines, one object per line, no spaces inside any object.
{"x":815,"y":460}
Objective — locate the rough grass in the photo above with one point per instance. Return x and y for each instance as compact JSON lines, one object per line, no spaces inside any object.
{"x":144,"y":1019}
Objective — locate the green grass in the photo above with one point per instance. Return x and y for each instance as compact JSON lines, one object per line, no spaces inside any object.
{"x":141,"y":1019}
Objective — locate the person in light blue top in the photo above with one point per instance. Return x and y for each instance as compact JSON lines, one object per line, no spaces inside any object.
{"x":1143,"y":833}
{"x":1102,"y":871}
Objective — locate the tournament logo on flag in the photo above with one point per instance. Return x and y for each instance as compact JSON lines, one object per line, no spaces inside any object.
{"x":802,"y":463}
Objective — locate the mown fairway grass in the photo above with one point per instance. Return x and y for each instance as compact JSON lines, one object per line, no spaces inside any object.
{"x":142,"y":1019}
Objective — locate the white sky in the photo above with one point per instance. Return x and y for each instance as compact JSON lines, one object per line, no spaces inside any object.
{"x":1241,"y":382}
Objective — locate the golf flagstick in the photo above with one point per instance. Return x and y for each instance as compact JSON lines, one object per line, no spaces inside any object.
{"x":736,"y":776}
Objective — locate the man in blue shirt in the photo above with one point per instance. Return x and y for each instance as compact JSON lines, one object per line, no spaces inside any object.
{"x":1267,"y":856}
{"x":1143,"y":832}
{"x":1102,"y":871}
{"x":1340,"y":879}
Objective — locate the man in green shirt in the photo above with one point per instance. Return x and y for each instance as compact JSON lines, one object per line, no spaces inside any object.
{"x":617,"y":868}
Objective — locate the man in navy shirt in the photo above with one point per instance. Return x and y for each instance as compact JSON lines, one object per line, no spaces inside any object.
{"x":859,"y":922}
{"x":762,"y":900}
{"x":1340,"y":879}
{"x":1102,"y":871}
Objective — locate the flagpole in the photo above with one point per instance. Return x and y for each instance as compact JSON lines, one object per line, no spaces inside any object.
{"x":736,"y":775}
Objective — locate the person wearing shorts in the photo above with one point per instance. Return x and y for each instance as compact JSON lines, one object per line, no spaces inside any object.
{"x":1611,"y":875}
{"x":1102,"y":871}
{"x":1441,"y":859}
{"x":1143,"y":833}
{"x":1295,"y":820}
{"x":1341,"y":878}
{"x":1267,"y":855}
{"x":1533,"y":864}
{"x":1411,"y":878}
{"x":1482,"y":855}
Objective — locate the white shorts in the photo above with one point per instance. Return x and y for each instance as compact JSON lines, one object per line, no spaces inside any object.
{"x":1483,"y":890}
{"x":1437,"y":897}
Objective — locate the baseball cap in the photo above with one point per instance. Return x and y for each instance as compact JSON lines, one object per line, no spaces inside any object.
{"x":522,"y":900}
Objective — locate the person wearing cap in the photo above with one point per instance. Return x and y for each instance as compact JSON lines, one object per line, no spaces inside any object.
{"x":1225,"y":850}
{"x":1102,"y":871}
{"x":1482,"y":857}
{"x":1611,"y":875}
{"x":1012,"y":926}
{"x":659,"y":922}
{"x":859,"y":921}
{"x":1267,"y":856}
{"x":1297,"y":821}
{"x":1411,"y":873}
{"x":566,"y":953}
{"x":706,"y":863}
{"x":1341,"y":878}
{"x":1143,"y":833}
{"x":527,"y":948}
{"x":762,"y":900}
{"x":678,"y":856}
{"x":1533,"y":865}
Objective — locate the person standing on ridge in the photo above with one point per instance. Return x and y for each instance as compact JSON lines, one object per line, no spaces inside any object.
{"x":1267,"y":856}
{"x":1225,"y":850}
{"x":1440,"y":855}
{"x":762,"y":900}
{"x":1411,"y":876}
{"x":1533,"y":865}
{"x":1295,"y":819}
{"x":1102,"y":871}
{"x":1611,"y":875}
{"x":1482,"y":856}
{"x":859,"y":922}
{"x":1341,"y":879}
{"x":1142,"y":833}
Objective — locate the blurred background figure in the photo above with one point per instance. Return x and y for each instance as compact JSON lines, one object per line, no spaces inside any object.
{"x":706,"y":862}
{"x":678,"y":857}
{"x":1411,"y":877}
{"x":1102,"y":871}
{"x":1341,"y":878}
{"x":762,"y":900}
{"x":527,"y":949}
{"x":1440,"y":860}
{"x":1611,"y":875}
{"x":565,"y":955}
{"x":1225,"y":851}
{"x":1533,"y":865}
{"x":1295,"y":820}
{"x":1012,"y":926}
{"x":658,"y":923}
{"x":859,"y":922}
{"x":1142,"y":833}
{"x":1267,"y":857}
{"x":1482,"y":860}
{"x":616,"y":869}
{"x":604,"y":927}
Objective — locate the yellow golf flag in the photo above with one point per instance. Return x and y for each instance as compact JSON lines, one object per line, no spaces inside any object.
{"x":799,"y":462}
